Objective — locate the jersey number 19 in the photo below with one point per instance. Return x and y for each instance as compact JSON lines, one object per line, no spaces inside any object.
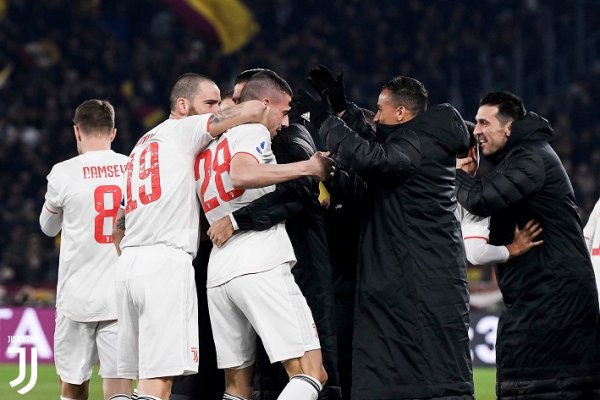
{"x":148,"y":172}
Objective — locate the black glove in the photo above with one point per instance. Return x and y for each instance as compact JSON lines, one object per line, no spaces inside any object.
{"x":321,"y":78}
{"x":319,"y":109}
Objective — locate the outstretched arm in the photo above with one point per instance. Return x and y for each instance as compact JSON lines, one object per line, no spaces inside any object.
{"x":519,"y":176}
{"x":246,"y":172}
{"x":480,"y":252}
{"x":400,"y":156}
{"x":246,"y":112}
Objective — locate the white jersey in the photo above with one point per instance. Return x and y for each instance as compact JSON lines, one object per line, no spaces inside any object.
{"x":591,"y":232}
{"x":472,"y":226}
{"x":87,"y":190}
{"x":161,"y":206}
{"x":476,"y":235}
{"x":249,"y":251}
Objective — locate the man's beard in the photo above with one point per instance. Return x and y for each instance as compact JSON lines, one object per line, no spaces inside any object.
{"x":192,"y":111}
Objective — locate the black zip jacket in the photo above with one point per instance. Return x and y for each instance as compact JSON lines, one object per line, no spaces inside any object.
{"x":411,"y":314}
{"x":548,"y":335}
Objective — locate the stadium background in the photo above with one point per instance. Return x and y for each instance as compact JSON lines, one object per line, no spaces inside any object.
{"x":56,"y":53}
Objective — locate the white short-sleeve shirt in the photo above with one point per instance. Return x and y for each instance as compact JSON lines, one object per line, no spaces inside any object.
{"x":250,"y":251}
{"x":87,"y":190}
{"x":160,"y":202}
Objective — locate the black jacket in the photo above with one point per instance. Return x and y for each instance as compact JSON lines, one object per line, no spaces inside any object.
{"x":548,"y":335}
{"x":296,"y":202}
{"x":411,"y":315}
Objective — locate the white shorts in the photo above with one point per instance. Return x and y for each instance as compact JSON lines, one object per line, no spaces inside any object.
{"x":268,"y":303}
{"x":157,"y":307}
{"x":78,"y":346}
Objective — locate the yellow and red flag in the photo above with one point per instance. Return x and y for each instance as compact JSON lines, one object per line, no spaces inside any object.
{"x":228,"y":21}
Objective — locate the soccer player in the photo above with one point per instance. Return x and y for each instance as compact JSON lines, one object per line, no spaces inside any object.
{"x":295,"y":203}
{"x":156,"y":294}
{"x":251,"y":289}
{"x":82,"y":200}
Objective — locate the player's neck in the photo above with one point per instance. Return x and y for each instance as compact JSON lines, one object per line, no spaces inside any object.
{"x":95,"y":144}
{"x":176,"y":115}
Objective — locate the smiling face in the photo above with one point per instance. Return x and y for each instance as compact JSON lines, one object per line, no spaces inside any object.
{"x":387,"y":111}
{"x":492,"y":132}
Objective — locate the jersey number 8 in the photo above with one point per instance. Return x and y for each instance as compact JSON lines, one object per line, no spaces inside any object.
{"x":105,"y":210}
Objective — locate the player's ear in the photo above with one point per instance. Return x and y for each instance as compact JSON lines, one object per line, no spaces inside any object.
{"x":113,"y":134}
{"x":181,"y":106}
{"x":77,"y":133}
{"x":508,"y":128}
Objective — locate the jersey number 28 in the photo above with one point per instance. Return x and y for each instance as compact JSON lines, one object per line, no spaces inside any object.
{"x":216,"y":165}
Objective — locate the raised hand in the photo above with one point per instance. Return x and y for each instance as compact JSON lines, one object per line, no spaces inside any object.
{"x":322,"y":79}
{"x":319,"y":109}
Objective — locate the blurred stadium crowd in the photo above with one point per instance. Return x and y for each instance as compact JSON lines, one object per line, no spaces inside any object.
{"x":56,"y":53}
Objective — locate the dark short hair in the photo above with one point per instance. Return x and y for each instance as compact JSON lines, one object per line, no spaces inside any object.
{"x":510,"y":106}
{"x":409,"y":93}
{"x":227,"y":94}
{"x":263,"y":84}
{"x":472,"y":138}
{"x":186,"y":86}
{"x":246,"y":75}
{"x":95,"y":116}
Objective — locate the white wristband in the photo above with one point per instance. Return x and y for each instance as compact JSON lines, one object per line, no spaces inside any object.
{"x":234,"y":223}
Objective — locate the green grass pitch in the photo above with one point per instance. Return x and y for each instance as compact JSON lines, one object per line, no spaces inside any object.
{"x":47,"y":387}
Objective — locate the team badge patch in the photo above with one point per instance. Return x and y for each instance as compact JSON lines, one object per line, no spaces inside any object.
{"x":261,"y":147}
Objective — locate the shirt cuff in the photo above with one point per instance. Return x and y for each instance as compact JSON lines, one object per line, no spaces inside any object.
{"x":234,"y":223}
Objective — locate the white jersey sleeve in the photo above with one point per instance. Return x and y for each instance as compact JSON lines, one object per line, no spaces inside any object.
{"x":591,"y":233}
{"x":85,"y":192}
{"x":51,"y":215}
{"x":476,"y":234}
{"x":254,"y":140}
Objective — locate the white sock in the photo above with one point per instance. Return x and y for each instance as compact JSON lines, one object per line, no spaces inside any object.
{"x":147,"y":397}
{"x":119,"y":397}
{"x":65,"y":398}
{"x":301,"y":387}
